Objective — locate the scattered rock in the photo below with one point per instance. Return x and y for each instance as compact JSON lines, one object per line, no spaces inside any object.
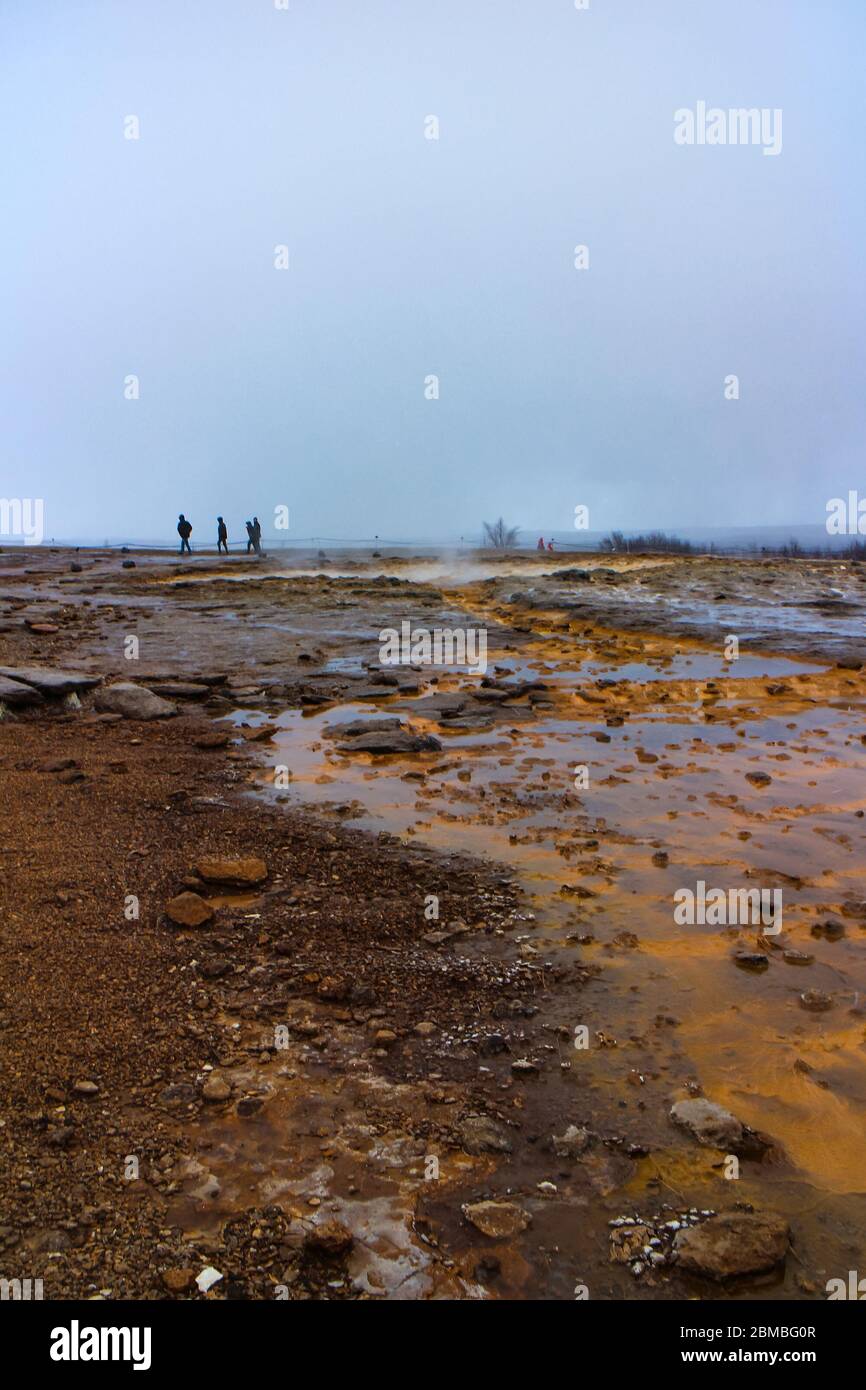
{"x":249,"y":1105}
{"x":216,"y":1089}
{"x":333,"y":989}
{"x":831,"y":931}
{"x":238,"y":873}
{"x":178,"y":1280}
{"x":627,"y":1243}
{"x":70,"y":775}
{"x":572,"y":1143}
{"x":497,"y":1219}
{"x":731,"y":1245}
{"x":479,"y":1134}
{"x":179,"y":1093}
{"x":816,"y":1001}
{"x":214,"y":967}
{"x":189,"y":910}
{"x":798,"y":958}
{"x":133,"y":702}
{"x":260,"y":734}
{"x":709,"y":1123}
{"x":215,"y":740}
{"x":86,"y":1088}
{"x":524,"y":1067}
{"x":751,"y":960}
{"x":329,"y":1239}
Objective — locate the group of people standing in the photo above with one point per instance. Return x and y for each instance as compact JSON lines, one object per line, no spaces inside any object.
{"x":254,"y":535}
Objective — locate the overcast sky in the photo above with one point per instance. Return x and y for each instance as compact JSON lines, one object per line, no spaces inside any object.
{"x":409,"y":257}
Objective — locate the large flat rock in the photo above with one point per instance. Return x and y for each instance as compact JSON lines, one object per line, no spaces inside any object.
{"x":48,"y":680}
{"x":355,"y":727}
{"x":180,"y":690}
{"x":391,"y":741}
{"x":17,"y":695}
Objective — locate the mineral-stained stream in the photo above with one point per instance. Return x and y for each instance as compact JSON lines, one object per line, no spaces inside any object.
{"x":769,"y":1025}
{"x":605,"y":763}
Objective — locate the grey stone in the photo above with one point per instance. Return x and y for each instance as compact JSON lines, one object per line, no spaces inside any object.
{"x":710,"y":1124}
{"x":133,"y":702}
{"x":393,"y":741}
{"x":572,"y":1143}
{"x":48,"y":680}
{"x":479,"y":1134}
{"x":17,"y":695}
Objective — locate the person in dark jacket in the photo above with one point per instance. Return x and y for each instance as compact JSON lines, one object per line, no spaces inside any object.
{"x":257,"y":535}
{"x":250,"y":537}
{"x":184,"y":530}
{"x":222,"y":536}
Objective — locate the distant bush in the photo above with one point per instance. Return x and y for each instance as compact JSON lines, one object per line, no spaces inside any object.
{"x":497,"y":534}
{"x":795,"y":551}
{"x":617,"y":543}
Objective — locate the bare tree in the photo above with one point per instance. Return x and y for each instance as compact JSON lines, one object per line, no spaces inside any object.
{"x":497,"y":534}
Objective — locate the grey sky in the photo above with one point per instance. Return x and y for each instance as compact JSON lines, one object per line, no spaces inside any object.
{"x":410,"y":256}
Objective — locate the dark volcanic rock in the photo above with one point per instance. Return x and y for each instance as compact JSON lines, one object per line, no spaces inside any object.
{"x":362,"y":726}
{"x":16,"y":694}
{"x":391,"y":741}
{"x":179,"y":690}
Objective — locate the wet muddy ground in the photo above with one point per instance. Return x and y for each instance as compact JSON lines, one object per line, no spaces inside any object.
{"x":338,"y":1072}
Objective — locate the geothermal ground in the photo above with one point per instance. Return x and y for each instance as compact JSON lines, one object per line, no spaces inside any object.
{"x":342,"y":980}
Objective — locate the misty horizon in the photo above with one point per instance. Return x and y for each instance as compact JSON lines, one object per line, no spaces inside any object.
{"x":384,"y":268}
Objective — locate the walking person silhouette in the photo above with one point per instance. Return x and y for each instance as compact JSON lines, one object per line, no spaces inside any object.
{"x":222,"y":536}
{"x":184,"y":530}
